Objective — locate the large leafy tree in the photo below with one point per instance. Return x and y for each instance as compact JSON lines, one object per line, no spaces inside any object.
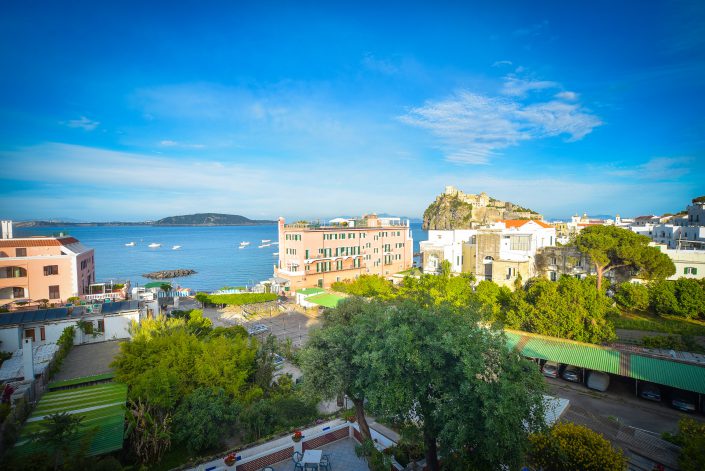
{"x":59,"y":435}
{"x":435,"y":368}
{"x":329,"y":358}
{"x":570,"y":308}
{"x":611,"y":247}
{"x":203,"y":417}
{"x":436,"y":290}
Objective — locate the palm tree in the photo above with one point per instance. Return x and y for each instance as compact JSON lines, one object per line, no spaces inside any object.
{"x":59,"y":435}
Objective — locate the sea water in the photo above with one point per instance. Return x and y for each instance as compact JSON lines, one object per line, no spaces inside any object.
{"x":213,"y":252}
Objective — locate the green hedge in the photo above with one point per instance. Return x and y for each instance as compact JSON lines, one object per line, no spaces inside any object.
{"x":64,"y":343}
{"x":236,"y":299}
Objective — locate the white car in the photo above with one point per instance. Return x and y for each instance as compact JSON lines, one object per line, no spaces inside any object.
{"x":257,"y":329}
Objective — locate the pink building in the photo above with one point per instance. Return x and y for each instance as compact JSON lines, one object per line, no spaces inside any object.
{"x":318,"y":255}
{"x":53,"y":268}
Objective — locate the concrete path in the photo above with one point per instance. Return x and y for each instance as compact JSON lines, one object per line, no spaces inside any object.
{"x":88,"y":360}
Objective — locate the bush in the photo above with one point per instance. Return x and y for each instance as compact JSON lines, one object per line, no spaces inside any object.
{"x":632,"y":296}
{"x":236,"y":299}
{"x":691,"y":438}
{"x":64,"y":343}
{"x":670,"y":342}
{"x":570,"y":446}
{"x":269,"y":416}
{"x":203,"y":419}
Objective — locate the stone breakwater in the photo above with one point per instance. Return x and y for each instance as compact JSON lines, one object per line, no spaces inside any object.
{"x":168,"y":274}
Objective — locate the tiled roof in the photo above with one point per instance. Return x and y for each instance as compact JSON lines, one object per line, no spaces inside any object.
{"x":38,"y":242}
{"x":515,"y":223}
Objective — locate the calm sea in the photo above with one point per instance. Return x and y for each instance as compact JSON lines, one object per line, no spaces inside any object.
{"x":212,"y":251}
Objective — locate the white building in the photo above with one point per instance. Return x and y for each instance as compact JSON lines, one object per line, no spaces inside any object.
{"x":444,"y":245}
{"x":689,"y":263}
{"x":684,"y":232}
{"x":110,"y":321}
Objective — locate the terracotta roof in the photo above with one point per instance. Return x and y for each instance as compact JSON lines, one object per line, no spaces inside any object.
{"x":510,"y":223}
{"x":38,"y":242}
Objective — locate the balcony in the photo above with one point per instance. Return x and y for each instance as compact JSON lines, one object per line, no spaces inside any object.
{"x":12,"y":272}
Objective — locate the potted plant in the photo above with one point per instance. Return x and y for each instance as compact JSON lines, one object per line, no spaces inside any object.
{"x":230,"y":459}
{"x":297,"y":436}
{"x":350,"y":416}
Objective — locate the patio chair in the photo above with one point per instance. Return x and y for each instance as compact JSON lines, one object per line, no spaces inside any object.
{"x":296,"y":458}
{"x":325,"y":463}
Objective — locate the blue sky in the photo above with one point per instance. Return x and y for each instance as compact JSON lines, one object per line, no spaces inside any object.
{"x":134,"y":111}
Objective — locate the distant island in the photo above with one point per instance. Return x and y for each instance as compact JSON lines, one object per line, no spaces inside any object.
{"x":200,"y":219}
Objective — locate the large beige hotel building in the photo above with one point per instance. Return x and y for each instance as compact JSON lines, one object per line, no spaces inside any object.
{"x":52,"y":268}
{"x":313,"y":255}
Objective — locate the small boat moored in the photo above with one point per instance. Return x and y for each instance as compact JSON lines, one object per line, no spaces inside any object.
{"x":176,"y":247}
{"x":130,"y":244}
{"x":154,"y":245}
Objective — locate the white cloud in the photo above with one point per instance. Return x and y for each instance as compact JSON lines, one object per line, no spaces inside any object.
{"x":501,"y":63}
{"x":182,"y":145}
{"x":514,"y":86}
{"x":83,"y":123}
{"x":471,"y":127}
{"x":532,"y":30}
{"x":657,"y":168}
{"x":567,"y":95}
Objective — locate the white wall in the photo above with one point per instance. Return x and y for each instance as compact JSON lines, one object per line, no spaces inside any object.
{"x":10,"y":338}
{"x":116,"y":327}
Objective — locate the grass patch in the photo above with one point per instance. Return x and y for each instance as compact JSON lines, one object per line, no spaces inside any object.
{"x":236,"y":299}
{"x":653,"y":323}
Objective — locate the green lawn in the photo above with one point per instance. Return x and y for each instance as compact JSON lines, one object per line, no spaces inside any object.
{"x":653,"y":323}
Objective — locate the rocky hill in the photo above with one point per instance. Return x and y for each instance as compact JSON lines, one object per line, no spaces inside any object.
{"x":454,"y":209}
{"x":210,"y":219}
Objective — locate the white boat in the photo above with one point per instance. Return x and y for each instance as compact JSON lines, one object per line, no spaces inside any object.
{"x":242,"y":247}
{"x":275,"y":253}
{"x":263,"y":246}
{"x":264,"y":241}
{"x":130,"y":244}
{"x":244,"y":244}
{"x":275,"y":243}
{"x":154,"y":245}
{"x":176,"y":247}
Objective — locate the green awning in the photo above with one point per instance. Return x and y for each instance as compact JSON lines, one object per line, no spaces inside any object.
{"x":102,"y":407}
{"x":325,"y":300}
{"x":671,"y":373}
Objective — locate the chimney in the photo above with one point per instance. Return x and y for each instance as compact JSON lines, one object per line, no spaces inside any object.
{"x":28,"y":359}
{"x":7,"y":229}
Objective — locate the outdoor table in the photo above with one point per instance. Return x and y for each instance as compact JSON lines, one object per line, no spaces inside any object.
{"x":312,"y":457}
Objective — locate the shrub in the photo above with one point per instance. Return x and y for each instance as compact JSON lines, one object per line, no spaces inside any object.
{"x":236,"y":299}
{"x":570,"y":446}
{"x":662,"y":297}
{"x":632,"y":296}
{"x":670,"y":342}
{"x":64,"y":343}
{"x":691,"y":438}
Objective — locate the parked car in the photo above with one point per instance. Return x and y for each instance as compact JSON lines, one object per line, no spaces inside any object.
{"x":550,"y":369}
{"x":278,"y":361}
{"x":598,"y":381}
{"x":257,"y":329}
{"x":682,"y":403}
{"x":650,"y":391}
{"x":572,"y":374}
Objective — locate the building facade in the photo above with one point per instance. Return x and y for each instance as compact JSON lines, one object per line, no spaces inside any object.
{"x":110,"y":321}
{"x":313,"y":255}
{"x":53,"y":268}
{"x":444,"y":245}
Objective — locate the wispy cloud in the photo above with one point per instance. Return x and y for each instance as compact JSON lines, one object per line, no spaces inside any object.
{"x":567,"y":95}
{"x":501,"y":63}
{"x":657,"y":168}
{"x":181,"y":145}
{"x":519,"y":87}
{"x":83,"y":123}
{"x":472,"y":127}
{"x":383,"y":66}
{"x":532,"y":30}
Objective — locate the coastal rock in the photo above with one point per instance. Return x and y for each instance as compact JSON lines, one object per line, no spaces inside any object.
{"x":168,"y":274}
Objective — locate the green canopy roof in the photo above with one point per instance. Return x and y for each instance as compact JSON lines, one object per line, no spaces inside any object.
{"x":103,"y":410}
{"x":325,"y":300}
{"x":687,"y":376}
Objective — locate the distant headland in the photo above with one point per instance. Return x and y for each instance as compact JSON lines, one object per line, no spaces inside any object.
{"x":200,"y":219}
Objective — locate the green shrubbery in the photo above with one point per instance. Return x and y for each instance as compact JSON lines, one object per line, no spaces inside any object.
{"x":633,"y":296}
{"x":235,"y":299}
{"x":64,"y":343}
